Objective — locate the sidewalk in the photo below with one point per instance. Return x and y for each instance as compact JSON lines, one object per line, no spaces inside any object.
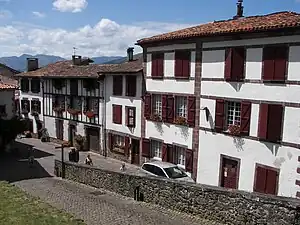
{"x":98,"y":160}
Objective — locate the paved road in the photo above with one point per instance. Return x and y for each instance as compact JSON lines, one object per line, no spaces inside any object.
{"x":94,"y":206}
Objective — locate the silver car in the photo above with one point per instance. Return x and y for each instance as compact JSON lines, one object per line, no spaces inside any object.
{"x":165,"y":169}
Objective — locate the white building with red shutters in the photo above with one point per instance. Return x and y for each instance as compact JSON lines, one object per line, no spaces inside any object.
{"x":244,"y":77}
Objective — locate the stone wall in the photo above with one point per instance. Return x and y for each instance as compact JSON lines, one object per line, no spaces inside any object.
{"x":229,"y":206}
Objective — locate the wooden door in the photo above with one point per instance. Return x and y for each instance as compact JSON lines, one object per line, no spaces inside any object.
{"x":59,"y":129}
{"x":135,"y":151}
{"x":93,"y":139}
{"x":229,"y":173}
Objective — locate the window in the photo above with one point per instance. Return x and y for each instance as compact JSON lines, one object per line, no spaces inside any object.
{"x":233,"y":111}
{"x":181,"y":106}
{"x":156,"y":106}
{"x":90,"y":84}
{"x":158,"y":171}
{"x":74,"y":87}
{"x":91,"y":104}
{"x":157,"y":65}
{"x":182,"y":64}
{"x":117,"y":114}
{"x":233,"y":117}
{"x":118,"y":85}
{"x":36,"y":106}
{"x":131,"y":85}
{"x":156,"y":149}
{"x":75,"y":103}
{"x":24,"y":85}
{"x":2,"y":110}
{"x":275,"y":63}
{"x":234,"y":64}
{"x":25,"y":105}
{"x":270,"y":122}
{"x":266,"y":180}
{"x":179,"y":156}
{"x":59,"y":83}
{"x":119,"y":141}
{"x":130,"y":116}
{"x":35,"y":85}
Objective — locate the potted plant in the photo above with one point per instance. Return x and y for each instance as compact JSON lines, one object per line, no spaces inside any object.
{"x":79,"y":142}
{"x":234,"y":129}
{"x":58,"y":109}
{"x":180,"y":120}
{"x":73,"y":112}
{"x":90,"y":114}
{"x":156,"y":117}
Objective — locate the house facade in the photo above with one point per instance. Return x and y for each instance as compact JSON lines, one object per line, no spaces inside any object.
{"x":7,"y":98}
{"x":246,"y":133}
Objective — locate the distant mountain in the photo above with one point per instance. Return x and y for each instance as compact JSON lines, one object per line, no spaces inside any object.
{"x":122,"y":59}
{"x":19,"y":62}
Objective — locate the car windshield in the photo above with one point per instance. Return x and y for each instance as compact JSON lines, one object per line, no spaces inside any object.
{"x":175,"y":172}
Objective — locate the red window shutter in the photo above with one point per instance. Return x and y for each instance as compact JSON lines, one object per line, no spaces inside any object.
{"x":220,"y":115}
{"x":146,"y":148}
{"x":274,"y":123}
{"x":164,"y":152}
{"x":263,"y":121}
{"x":114,"y":114}
{"x":238,"y":64}
{"x":189,"y":160}
{"x":268,"y":63}
{"x":160,"y":66}
{"x":147,"y":106}
{"x":119,"y":108}
{"x":154,"y":66}
{"x":260,"y":181}
{"x":117,"y":114}
{"x":281,"y":57}
{"x":170,"y":110}
{"x":164,"y":107}
{"x":191,"y":111}
{"x":271,"y":182}
{"x":245,"y":117}
{"x":182,"y":64}
{"x":178,"y":64}
{"x":228,"y":64}
{"x":127,"y":146}
{"x":110,"y":141}
{"x":170,"y":154}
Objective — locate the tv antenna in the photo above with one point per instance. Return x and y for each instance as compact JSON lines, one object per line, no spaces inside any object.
{"x":74,"y":50}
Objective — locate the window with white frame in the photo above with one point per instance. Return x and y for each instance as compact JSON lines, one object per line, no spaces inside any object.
{"x":156,"y":105}
{"x":180,"y":155}
{"x":181,"y":106}
{"x":119,"y":140}
{"x":233,"y":110}
{"x":156,"y":149}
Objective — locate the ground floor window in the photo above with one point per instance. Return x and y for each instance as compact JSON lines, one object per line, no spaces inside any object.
{"x":118,"y":141}
{"x":179,"y":156}
{"x":156,"y":149}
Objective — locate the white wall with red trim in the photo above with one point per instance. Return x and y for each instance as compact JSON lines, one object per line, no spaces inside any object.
{"x":124,"y":101}
{"x":7,"y":99}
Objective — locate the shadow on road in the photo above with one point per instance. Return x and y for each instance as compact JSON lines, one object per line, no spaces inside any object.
{"x":15,"y":167}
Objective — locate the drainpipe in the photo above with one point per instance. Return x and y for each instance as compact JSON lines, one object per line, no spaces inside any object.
{"x":104,"y":118}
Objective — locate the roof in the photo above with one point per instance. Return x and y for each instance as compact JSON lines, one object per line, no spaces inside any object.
{"x":9,"y":68}
{"x":7,"y":83}
{"x":161,"y":164}
{"x":249,"y":24}
{"x":67,"y":69}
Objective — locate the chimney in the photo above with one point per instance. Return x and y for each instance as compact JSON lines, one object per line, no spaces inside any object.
{"x":32,"y":64}
{"x":239,"y":10}
{"x":76,"y":60}
{"x":130,"y":54}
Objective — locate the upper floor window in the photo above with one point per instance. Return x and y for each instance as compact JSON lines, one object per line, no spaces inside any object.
{"x":74,"y":87}
{"x":35,"y":85}
{"x":233,"y":117}
{"x":181,"y":110}
{"x":275,"y":63}
{"x":157,"y":65}
{"x":118,"y":85}
{"x":182,"y":63}
{"x":235,"y":63}
{"x":24,"y":85}
{"x":131,"y":85}
{"x":25,"y":106}
{"x":59,"y":83}
{"x":270,"y":122}
{"x":156,"y":107}
{"x":36,"y":106}
{"x":90,"y":84}
{"x":130,"y":114}
{"x":91,"y":104}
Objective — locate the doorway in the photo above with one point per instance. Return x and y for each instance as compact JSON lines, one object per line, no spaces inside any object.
{"x":135,"y":151}
{"x":72,"y":132}
{"x":93,"y":138}
{"x":59,"y":125}
{"x":229,"y":172}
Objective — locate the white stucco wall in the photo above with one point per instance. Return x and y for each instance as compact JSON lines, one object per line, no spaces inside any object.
{"x":123,"y":100}
{"x":250,"y":152}
{"x":6,"y":98}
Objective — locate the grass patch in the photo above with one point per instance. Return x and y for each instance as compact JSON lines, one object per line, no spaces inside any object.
{"x":19,"y":208}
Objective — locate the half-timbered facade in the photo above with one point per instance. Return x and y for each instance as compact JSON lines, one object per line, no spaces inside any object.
{"x":246,"y":133}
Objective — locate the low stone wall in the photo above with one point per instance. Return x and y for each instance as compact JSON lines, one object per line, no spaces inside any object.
{"x":228,"y":206}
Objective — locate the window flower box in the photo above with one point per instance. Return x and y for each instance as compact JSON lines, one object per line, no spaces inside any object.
{"x":181,"y":121}
{"x":234,"y":129}
{"x":90,"y":114}
{"x":74,"y":112}
{"x":58,"y":109}
{"x":156,"y":117}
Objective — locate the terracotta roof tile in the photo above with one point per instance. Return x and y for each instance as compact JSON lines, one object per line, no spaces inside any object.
{"x":246,"y":24}
{"x":67,"y":69}
{"x":7,"y":83}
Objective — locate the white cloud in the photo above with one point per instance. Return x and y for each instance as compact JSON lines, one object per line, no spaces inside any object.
{"x":70,"y":5}
{"x":39,"y":14}
{"x":106,"y":38}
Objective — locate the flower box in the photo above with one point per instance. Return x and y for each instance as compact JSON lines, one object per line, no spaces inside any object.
{"x":156,"y":118}
{"x":89,"y":114}
{"x":74,"y":111}
{"x":58,"y":109}
{"x":234,"y":129}
{"x":180,"y":121}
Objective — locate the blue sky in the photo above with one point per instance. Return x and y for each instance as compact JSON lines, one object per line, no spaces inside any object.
{"x":106,"y":27}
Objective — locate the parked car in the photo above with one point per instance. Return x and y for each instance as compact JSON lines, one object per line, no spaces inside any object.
{"x":165,"y":169}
